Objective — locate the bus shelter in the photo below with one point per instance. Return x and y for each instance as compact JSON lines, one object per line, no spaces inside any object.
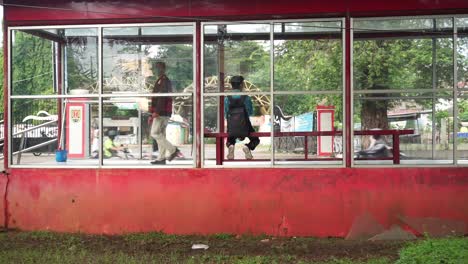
{"x":328,"y":82}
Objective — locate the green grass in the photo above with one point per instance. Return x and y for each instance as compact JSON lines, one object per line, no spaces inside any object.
{"x":86,"y":256}
{"x":156,"y":247}
{"x":436,"y":251}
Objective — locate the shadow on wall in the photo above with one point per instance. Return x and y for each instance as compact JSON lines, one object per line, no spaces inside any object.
{"x":366,"y":227}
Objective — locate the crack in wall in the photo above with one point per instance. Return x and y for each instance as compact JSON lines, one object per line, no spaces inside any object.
{"x":5,"y":201}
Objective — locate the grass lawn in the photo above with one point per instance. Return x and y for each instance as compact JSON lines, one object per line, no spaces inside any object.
{"x":47,"y":247}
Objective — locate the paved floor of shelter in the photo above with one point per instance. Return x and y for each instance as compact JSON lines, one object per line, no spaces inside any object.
{"x":262,"y":155}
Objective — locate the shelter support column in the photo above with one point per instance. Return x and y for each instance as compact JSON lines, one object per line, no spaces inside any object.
{"x":220,"y":140}
{"x":6,"y":98}
{"x":348,"y":93}
{"x":58,"y":61}
{"x":198,"y":98}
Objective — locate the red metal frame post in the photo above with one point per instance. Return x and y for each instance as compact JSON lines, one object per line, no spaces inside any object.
{"x":396,"y":147}
{"x":306,"y":148}
{"x":348,"y":128}
{"x":5,"y":95}
{"x":220,"y":141}
{"x":58,"y":59}
{"x":198,"y":110}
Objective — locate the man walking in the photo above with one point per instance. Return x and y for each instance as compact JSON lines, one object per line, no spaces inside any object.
{"x":161,"y":109}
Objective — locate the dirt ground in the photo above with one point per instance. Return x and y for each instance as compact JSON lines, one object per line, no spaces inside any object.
{"x":170,"y":248}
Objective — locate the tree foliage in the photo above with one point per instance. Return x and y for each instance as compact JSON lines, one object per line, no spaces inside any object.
{"x":32,"y":74}
{"x":82,"y":63}
{"x":179,"y":64}
{"x":309,"y":65}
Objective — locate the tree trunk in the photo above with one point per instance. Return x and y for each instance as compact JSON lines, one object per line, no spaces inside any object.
{"x":373,"y":115}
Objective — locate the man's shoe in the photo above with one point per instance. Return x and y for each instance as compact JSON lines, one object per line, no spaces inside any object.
{"x":158,"y":162}
{"x":230,"y":154}
{"x":248,"y":153}
{"x":173,"y":155}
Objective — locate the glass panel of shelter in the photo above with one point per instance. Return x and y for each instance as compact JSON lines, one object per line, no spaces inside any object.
{"x":32,"y":61}
{"x":37,"y":61}
{"x":403,"y":80}
{"x":245,"y":49}
{"x":148,"y":60}
{"x":131,"y":56}
{"x":81,"y":62}
{"x":215,"y":149}
{"x":462,"y":90}
{"x":37,"y":64}
{"x":412,"y":121}
{"x":65,"y":61}
{"x":236,"y":50}
{"x":48,"y":64}
{"x":130,"y":137}
{"x":69,"y":124}
{"x":308,"y":129}
{"x":308,"y":88}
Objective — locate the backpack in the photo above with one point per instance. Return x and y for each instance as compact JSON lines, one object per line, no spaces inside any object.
{"x":238,"y":121}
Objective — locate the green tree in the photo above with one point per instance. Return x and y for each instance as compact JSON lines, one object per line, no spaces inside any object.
{"x":32,"y":74}
{"x":82,"y":63}
{"x":401,"y":64}
{"x":308,"y":65}
{"x":179,"y":64}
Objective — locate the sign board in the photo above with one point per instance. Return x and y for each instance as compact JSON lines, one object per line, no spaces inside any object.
{"x":75,"y":130}
{"x":304,"y":122}
{"x":325,"y":120}
{"x":126,"y":106}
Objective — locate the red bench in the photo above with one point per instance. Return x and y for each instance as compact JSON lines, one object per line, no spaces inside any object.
{"x":395,"y":133}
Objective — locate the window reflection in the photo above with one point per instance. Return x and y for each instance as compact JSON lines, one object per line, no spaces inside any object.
{"x":237,"y":50}
{"x":38,"y":66}
{"x":128,"y":132}
{"x":462,"y":90}
{"x":403,"y":83}
{"x":307,"y":58}
{"x":42,"y":126}
{"x":130,"y":56}
{"x":32,"y":64}
{"x":61,"y":61}
{"x":81,"y":65}
{"x":302,"y":116}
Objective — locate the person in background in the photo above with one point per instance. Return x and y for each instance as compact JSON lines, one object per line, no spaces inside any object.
{"x":378,"y":147}
{"x":95,"y":142}
{"x":237,"y":110}
{"x":161,"y":111}
{"x":110,"y":149}
{"x":155,"y":148}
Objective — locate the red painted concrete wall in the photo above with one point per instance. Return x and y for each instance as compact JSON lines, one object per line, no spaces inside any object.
{"x":306,"y":202}
{"x":106,"y":9}
{"x":2,"y":199}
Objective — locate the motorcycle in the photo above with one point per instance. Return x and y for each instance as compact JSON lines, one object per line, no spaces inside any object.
{"x":379,"y":149}
{"x":125,"y":153}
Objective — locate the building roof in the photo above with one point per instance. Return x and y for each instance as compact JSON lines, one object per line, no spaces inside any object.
{"x":88,"y":11}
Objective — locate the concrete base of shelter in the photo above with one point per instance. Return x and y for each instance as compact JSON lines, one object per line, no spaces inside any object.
{"x":289,"y":202}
